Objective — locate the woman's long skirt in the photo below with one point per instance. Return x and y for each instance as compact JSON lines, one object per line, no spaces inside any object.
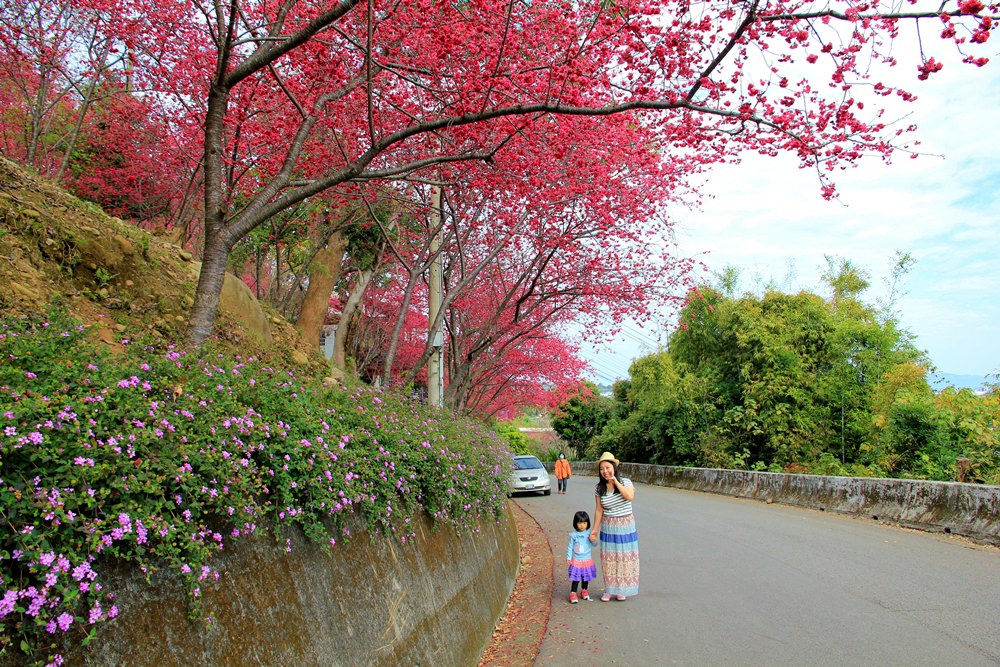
{"x":620,"y":555}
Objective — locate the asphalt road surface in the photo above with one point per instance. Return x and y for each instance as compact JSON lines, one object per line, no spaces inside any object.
{"x":732,"y":582}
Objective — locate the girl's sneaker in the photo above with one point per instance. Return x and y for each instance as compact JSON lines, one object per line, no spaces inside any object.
{"x":572,"y":598}
{"x":585,"y":595}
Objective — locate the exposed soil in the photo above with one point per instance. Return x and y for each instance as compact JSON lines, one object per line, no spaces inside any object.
{"x":120,"y":281}
{"x":518,"y":635}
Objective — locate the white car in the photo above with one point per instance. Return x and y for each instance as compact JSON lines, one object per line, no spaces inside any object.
{"x":529,"y":476}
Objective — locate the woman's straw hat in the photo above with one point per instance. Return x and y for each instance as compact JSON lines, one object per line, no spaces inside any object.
{"x":608,"y":456}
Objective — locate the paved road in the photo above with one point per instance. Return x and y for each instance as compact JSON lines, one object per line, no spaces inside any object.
{"x":736,"y":582}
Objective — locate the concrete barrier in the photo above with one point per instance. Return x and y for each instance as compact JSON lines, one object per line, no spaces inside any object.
{"x":969,"y":510}
{"x":434,"y":600}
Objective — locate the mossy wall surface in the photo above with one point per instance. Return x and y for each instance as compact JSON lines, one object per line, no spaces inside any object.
{"x":372,"y":600}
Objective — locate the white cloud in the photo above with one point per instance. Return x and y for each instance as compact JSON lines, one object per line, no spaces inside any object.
{"x":766,"y":215}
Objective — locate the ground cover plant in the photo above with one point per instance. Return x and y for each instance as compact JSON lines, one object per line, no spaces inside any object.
{"x":159,"y":459}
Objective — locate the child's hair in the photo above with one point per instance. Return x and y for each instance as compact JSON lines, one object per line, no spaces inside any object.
{"x":581,"y":516}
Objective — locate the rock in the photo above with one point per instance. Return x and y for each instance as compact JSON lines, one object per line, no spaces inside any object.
{"x":185,"y":255}
{"x":300,"y":358}
{"x":238,"y":301}
{"x":125,"y":245}
{"x":336,"y":376}
{"x":25,"y":292}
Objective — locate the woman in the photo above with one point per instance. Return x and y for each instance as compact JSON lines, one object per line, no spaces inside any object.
{"x":563,"y":472}
{"x":614,"y":521}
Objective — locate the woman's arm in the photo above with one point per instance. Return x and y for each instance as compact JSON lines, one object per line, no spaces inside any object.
{"x":598,"y":515}
{"x":628,"y":492}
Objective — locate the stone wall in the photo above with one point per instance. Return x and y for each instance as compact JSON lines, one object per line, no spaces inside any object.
{"x":370,"y":601}
{"x":970,"y":510}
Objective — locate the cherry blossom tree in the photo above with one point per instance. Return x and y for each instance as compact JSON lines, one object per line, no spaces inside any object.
{"x":297,"y":98}
{"x":70,"y":112}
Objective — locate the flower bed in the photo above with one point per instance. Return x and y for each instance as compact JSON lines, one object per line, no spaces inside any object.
{"x":160,"y":459}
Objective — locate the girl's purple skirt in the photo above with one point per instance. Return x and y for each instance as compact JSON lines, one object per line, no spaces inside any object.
{"x":582,"y":570}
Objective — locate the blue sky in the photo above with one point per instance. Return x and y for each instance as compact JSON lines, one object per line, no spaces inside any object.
{"x":766,"y":217}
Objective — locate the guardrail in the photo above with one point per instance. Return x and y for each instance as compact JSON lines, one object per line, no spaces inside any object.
{"x":969,"y":510}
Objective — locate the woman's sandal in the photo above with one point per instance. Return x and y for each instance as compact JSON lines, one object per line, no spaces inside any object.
{"x":621,"y":598}
{"x":606,"y":597}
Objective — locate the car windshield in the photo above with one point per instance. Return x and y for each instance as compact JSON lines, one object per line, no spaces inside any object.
{"x":526,"y":464}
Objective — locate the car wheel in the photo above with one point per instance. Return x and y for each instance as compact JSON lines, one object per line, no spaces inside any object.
{"x":546,"y":493}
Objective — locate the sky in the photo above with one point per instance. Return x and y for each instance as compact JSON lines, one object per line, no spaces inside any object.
{"x":766,"y":218}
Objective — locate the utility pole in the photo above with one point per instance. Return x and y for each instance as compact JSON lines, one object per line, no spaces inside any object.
{"x":435,"y":376}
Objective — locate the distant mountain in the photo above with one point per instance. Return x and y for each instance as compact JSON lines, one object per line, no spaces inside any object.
{"x":941,"y":381}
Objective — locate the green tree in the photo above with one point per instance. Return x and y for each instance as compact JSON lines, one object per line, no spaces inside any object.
{"x":776,"y":381}
{"x":511,"y":434}
{"x":581,"y":416}
{"x":800,"y":382}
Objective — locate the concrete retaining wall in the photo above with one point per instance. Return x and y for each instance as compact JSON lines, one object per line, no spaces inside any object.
{"x":970,"y":510}
{"x":371,"y":601}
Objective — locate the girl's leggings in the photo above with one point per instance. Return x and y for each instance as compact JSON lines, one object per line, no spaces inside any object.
{"x":573,"y":584}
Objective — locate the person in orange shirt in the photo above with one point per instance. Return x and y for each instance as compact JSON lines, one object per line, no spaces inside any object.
{"x":563,"y":473}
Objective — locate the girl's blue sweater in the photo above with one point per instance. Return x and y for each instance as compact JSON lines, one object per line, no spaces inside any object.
{"x":579,"y":545}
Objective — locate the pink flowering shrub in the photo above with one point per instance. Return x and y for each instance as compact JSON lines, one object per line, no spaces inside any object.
{"x":160,"y":460}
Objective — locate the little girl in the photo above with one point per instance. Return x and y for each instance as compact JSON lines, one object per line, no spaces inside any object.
{"x":578,"y":559}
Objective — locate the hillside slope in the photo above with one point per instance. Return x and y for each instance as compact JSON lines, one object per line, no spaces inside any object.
{"x":116,"y":278}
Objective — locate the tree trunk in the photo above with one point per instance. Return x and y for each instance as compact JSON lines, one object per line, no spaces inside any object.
{"x":217,"y":243}
{"x":324,"y":271}
{"x":88,"y":98}
{"x":397,"y":327}
{"x":208,"y":292}
{"x":340,"y":338}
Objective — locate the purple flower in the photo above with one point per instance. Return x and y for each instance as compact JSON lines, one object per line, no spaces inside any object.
{"x":95,"y":614}
{"x":7,"y":603}
{"x":83,"y":571}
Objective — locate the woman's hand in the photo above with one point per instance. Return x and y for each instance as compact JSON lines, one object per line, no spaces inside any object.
{"x":593,"y":535}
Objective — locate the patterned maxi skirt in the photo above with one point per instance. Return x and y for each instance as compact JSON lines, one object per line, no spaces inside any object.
{"x":620,"y":555}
